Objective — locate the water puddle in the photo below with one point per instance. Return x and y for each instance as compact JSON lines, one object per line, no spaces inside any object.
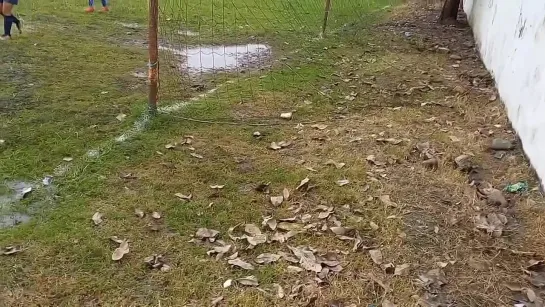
{"x":209,"y":59}
{"x":13,"y":192}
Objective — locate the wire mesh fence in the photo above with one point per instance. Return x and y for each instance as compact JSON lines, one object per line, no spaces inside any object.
{"x":228,"y":50}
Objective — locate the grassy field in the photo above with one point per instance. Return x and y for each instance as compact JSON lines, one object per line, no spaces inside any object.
{"x":71,"y":76}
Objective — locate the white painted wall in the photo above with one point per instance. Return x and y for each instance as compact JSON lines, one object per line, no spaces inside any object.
{"x":510,"y":35}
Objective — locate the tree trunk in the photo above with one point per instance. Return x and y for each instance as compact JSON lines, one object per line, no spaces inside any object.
{"x":449,"y":13}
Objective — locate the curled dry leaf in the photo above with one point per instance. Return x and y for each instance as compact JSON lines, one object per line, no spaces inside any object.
{"x":228,"y":283}
{"x":337,"y":165}
{"x":279,"y":290}
{"x":121,"y":251}
{"x":139,"y":213}
{"x":10,"y":250}
{"x":294,"y":269}
{"x":252,"y":229}
{"x":390,"y":141}
{"x":196,"y":155}
{"x":240,"y":263}
{"x":342,"y":182}
{"x":157,"y":262}
{"x":385,"y":199}
{"x":156,"y":215}
{"x":389,"y":268}
{"x":257,"y":239}
{"x":286,"y":194}
{"x":183,"y":196}
{"x":340,"y":231}
{"x":277,"y":200}
{"x":319,"y":126}
{"x":267,"y":258}
{"x":270,"y":222}
{"x":217,"y":186}
{"x":493,"y":223}
{"x":248,"y":281}
{"x":216,"y":301}
{"x":303,"y":185}
{"x":376,"y":255}
{"x":373,"y":160}
{"x":204,"y":233}
{"x":97,"y":218}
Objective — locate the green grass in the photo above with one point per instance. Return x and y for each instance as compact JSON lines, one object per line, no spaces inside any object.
{"x":70,"y":76}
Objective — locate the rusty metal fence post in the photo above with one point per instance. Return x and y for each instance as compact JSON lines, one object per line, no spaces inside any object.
{"x":153,"y":49}
{"x":326,"y":16}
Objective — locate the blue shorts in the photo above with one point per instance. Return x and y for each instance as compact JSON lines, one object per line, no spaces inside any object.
{"x":14,"y":2}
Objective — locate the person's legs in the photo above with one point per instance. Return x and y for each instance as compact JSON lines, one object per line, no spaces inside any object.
{"x":8,"y":19}
{"x":105,"y":5}
{"x":91,"y":7}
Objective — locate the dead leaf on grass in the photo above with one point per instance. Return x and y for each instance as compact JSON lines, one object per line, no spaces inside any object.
{"x":248,"y":281}
{"x":376,"y":255}
{"x":307,"y":259}
{"x":392,"y":141}
{"x":433,"y":278}
{"x":240,"y":263}
{"x":287,"y":226}
{"x":279,"y":290}
{"x":340,"y":231}
{"x":195,"y":155}
{"x":252,"y":229}
{"x":257,"y":239}
{"x":389,"y":268}
{"x":402,"y":270}
{"x":270,"y":222}
{"x":157,"y":262}
{"x":342,"y":182}
{"x":217,"y":186}
{"x":387,"y":303}
{"x":378,"y":281}
{"x":494,"y":197}
{"x":216,"y":301}
{"x":286,"y":115}
{"x":139,"y":213}
{"x":319,"y":126}
{"x":385,"y":199}
{"x":373,"y":225}
{"x":286,"y":194}
{"x":10,"y":250}
{"x":337,"y":165}
{"x":493,"y":223}
{"x":206,"y":234}
{"x":294,"y":269}
{"x":97,"y":218}
{"x":183,"y":196}
{"x":267,"y":258}
{"x":373,"y":160}
{"x":303,"y":185}
{"x":121,"y":251}
{"x":277,"y":200}
{"x":228,"y":283}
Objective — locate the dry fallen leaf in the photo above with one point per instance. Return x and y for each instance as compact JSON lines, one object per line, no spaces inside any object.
{"x":402,"y":270}
{"x":228,"y":283}
{"x":270,"y":222}
{"x":385,"y":199}
{"x":10,"y":250}
{"x":139,"y":213}
{"x":121,"y":251}
{"x":156,"y":215}
{"x":376,"y":255}
{"x":216,"y":301}
{"x":319,"y":126}
{"x":294,"y":269}
{"x":279,"y":290}
{"x":183,"y":196}
{"x":286,"y":115}
{"x":303,"y":185}
{"x":257,"y":239}
{"x":196,"y":155}
{"x":286,"y":194}
{"x":337,"y":165}
{"x":248,"y":281}
{"x":252,"y":229}
{"x":267,"y":258}
{"x":204,"y":233}
{"x":217,"y":186}
{"x":390,"y":141}
{"x":493,"y":223}
{"x":97,"y":218}
{"x":435,"y":278}
{"x":342,"y":182}
{"x":240,"y":263}
{"x":373,"y":225}
{"x":277,"y":200}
